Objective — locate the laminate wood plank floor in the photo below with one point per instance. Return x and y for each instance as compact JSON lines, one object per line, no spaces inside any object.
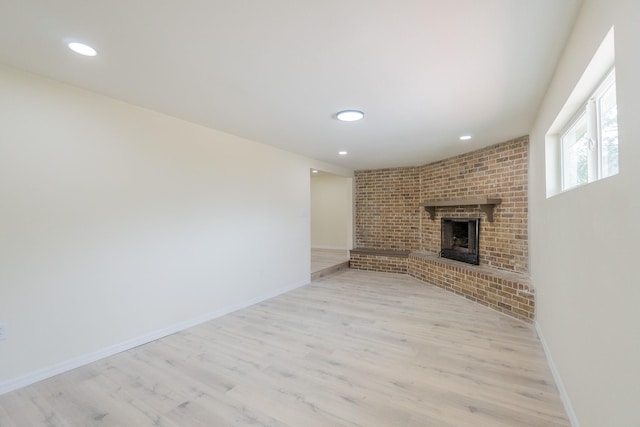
{"x":351,"y":349}
{"x":325,"y":258}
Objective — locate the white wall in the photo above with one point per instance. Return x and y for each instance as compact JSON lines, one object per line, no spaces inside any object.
{"x":584,"y":243}
{"x":118,"y":224}
{"x":331,"y":211}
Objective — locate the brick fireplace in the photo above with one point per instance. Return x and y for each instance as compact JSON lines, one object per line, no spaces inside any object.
{"x":460,"y":239}
{"x":396,"y":231}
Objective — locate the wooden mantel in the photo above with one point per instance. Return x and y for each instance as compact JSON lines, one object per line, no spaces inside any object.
{"x":485,"y":204}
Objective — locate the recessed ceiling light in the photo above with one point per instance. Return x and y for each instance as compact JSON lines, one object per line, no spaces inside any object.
{"x":465,"y":137}
{"x":314,"y":170}
{"x":82,"y":49}
{"x":342,"y":153}
{"x":349,"y":115}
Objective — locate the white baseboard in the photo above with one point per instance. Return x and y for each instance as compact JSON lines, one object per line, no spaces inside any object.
{"x":573,"y":418}
{"x":42,"y":374}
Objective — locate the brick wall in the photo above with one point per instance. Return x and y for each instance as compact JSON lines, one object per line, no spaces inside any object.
{"x":499,"y":171}
{"x":378,"y":262}
{"x":388,"y":215}
{"x":387,"y":208}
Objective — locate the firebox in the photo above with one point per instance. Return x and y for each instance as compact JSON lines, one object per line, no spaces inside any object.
{"x":460,"y":239}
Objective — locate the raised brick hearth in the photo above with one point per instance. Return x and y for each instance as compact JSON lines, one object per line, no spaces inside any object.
{"x":388,"y":261}
{"x":509,"y":293}
{"x":395,"y":234}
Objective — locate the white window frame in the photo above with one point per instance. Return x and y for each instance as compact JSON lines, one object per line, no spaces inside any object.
{"x":591,"y":109}
{"x":600,"y":66}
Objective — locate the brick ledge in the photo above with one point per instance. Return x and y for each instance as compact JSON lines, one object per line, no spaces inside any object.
{"x":511,"y":276}
{"x":505,"y":291}
{"x":508,"y":292}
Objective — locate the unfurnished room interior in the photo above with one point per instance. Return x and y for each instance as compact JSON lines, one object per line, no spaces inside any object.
{"x":319,"y":213}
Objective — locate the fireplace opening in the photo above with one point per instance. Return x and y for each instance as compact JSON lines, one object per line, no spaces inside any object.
{"x":460,"y":239}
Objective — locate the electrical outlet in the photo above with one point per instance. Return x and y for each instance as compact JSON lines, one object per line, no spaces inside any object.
{"x":3,"y":331}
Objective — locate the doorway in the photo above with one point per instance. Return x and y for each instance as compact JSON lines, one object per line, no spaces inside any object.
{"x":331,"y":220}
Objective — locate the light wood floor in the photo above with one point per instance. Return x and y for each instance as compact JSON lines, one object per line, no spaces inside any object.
{"x":351,"y":349}
{"x":325,"y":258}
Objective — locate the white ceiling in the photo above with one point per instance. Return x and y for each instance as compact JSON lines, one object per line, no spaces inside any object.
{"x":423,"y":71}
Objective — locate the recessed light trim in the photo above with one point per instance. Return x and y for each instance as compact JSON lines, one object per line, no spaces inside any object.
{"x":342,"y":153}
{"x":349,"y":115}
{"x":82,"y":49}
{"x":465,"y":137}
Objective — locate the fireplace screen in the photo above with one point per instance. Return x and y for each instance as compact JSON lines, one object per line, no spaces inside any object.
{"x":460,"y":238}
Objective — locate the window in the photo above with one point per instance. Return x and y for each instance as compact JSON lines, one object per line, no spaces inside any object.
{"x":589,"y":143}
{"x":581,"y":145}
